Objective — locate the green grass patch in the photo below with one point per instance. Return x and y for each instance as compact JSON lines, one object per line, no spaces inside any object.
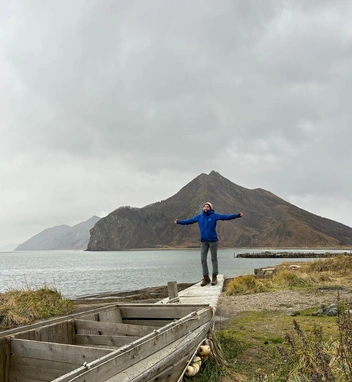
{"x":273,"y":347}
{"x":254,"y":340}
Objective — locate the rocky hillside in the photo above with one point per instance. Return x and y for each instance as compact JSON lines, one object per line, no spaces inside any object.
{"x":268,"y":221}
{"x":60,"y":237}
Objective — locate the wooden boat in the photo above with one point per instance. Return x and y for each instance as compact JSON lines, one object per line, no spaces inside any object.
{"x":119,"y":342}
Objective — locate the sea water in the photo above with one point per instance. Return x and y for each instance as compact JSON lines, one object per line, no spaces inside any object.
{"x":82,"y":273}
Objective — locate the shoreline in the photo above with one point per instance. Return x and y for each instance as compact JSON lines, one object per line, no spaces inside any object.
{"x":337,"y":248}
{"x":145,"y":295}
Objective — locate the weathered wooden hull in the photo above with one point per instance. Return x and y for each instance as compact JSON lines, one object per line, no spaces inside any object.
{"x":123,"y":342}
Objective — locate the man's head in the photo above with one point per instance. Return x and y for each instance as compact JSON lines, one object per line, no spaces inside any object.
{"x":207,"y":206}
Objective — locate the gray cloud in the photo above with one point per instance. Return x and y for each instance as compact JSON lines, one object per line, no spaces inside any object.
{"x":122,"y":103}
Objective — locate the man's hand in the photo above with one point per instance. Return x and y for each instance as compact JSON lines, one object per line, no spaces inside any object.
{"x":175,"y":221}
{"x":241,"y":214}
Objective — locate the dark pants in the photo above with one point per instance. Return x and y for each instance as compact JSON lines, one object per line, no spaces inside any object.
{"x":204,"y":248}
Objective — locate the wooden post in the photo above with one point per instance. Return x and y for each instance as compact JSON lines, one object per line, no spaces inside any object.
{"x":172,"y":291}
{"x":4,"y":359}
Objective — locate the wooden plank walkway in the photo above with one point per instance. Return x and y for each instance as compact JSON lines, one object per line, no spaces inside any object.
{"x":197,"y":294}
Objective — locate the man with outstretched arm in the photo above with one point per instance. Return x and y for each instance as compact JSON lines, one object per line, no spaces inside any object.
{"x":209,"y":238}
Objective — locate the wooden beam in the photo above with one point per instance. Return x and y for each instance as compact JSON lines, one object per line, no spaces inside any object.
{"x":103,"y":340}
{"x":113,"y":328}
{"x":4,"y":359}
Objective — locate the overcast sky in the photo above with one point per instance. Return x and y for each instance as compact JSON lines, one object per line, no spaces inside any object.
{"x":107,"y":103}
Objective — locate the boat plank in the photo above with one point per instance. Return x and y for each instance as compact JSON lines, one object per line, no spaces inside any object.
{"x":22,"y":378}
{"x":17,"y":362}
{"x":97,"y":340}
{"x":155,"y":311}
{"x":153,"y":368}
{"x":73,"y":354}
{"x":154,"y":323}
{"x":113,"y":315}
{"x":113,"y":328}
{"x":62,"y":332}
{"x":43,"y":371}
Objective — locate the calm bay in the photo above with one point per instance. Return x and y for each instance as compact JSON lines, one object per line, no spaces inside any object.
{"x":81,"y":273}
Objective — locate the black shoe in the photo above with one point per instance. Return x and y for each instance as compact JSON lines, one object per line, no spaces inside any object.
{"x":205,"y":281}
{"x":214,"y":280}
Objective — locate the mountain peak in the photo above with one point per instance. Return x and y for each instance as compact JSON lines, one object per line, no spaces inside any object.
{"x":268,"y":220}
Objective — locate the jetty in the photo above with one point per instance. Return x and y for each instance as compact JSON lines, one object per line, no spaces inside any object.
{"x":125,"y":342}
{"x":290,"y":255}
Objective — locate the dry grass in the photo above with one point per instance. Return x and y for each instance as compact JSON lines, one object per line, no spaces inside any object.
{"x":22,"y":307}
{"x":330,"y":272}
{"x":316,"y":356}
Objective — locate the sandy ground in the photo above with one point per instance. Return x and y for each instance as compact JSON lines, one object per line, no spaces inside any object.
{"x":286,"y":300}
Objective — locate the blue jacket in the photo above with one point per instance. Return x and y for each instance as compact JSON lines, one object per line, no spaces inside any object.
{"x":207,"y":224}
